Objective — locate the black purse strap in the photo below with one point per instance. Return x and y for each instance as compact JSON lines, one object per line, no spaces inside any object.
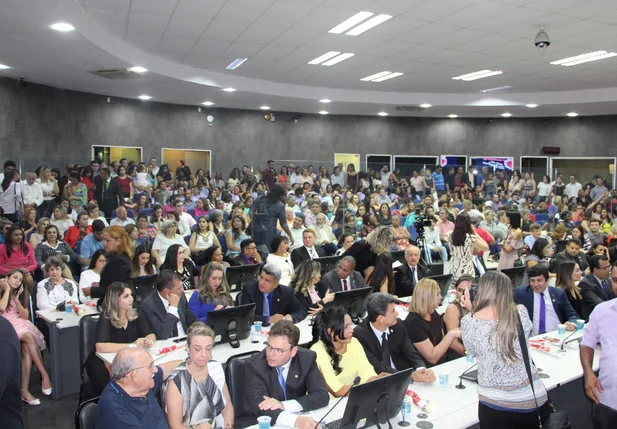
{"x":525,"y":353}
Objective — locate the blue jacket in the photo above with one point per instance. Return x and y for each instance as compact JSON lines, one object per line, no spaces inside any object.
{"x":524,"y":295}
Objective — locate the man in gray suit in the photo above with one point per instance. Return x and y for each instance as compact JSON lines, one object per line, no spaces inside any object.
{"x":344,"y":277}
{"x":166,"y":307}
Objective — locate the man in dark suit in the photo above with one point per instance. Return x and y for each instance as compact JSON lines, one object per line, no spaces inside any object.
{"x":284,"y":379}
{"x":108,"y":193}
{"x":344,"y":278}
{"x":572,"y":253}
{"x":308,"y":251}
{"x":537,"y":299}
{"x":166,"y":307}
{"x":385,"y":341}
{"x":273,"y":301}
{"x":410,"y":273}
{"x":248,"y":254}
{"x":596,"y":287}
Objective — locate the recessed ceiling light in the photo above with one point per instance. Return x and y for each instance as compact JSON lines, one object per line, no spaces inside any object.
{"x":144,"y":97}
{"x":506,"y":114}
{"x":207,"y":103}
{"x":138,"y":69}
{"x":229,"y":89}
{"x":497,"y":88}
{"x":381,"y":76}
{"x":324,"y":57}
{"x":531,"y":105}
{"x":338,"y":59}
{"x":477,"y":75}
{"x":350,"y":22}
{"x":4,"y":67}
{"x":390,"y":76}
{"x":383,"y":114}
{"x":236,"y":63}
{"x":62,"y":26}
{"x":323,"y":112}
{"x":585,"y":58}
{"x":325,"y":100}
{"x":365,"y":26}
{"x":453,"y":116}
{"x":265,"y":107}
{"x":572,"y":114}
{"x":426,"y":105}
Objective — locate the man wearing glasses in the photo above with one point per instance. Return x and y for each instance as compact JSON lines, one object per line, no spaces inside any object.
{"x":284,"y":379}
{"x":596,"y":286}
{"x":129,"y":400}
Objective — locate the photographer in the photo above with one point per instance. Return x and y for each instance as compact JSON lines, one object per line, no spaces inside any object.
{"x":490,"y":333}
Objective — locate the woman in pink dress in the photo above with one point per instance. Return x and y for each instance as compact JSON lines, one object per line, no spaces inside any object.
{"x":14,"y":308}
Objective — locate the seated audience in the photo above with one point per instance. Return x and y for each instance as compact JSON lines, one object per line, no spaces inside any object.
{"x":235,"y":235}
{"x":273,"y":301}
{"x":122,"y":218}
{"x":537,"y":257}
{"x":384,"y":339}
{"x":308,"y":290}
{"x":568,"y":277}
{"x":166,"y":308}
{"x":455,"y":312}
{"x":596,"y":287}
{"x":61,"y":220}
{"x":36,"y":236}
{"x":344,"y":277}
{"x":296,"y":231}
{"x":536,"y":298}
{"x":119,"y":325}
{"x":411,"y":272}
{"x":346,"y":241}
{"x":91,"y":243}
{"x":79,"y":231}
{"x":177,"y":262}
{"x":213,"y":254}
{"x":324,"y":237}
{"x":95,"y":214}
{"x":212,"y":292}
{"x":52,"y":247}
{"x":280,"y":256}
{"x":14,"y":308}
{"x":55,"y":289}
{"x":164,"y":240}
{"x":308,"y":251}
{"x":16,"y":253}
{"x":284,"y":380}
{"x":201,"y":240}
{"x":248,"y":254}
{"x":92,"y":276}
{"x":572,"y":253}
{"x":142,"y":263}
{"x":380,"y":277}
{"x":424,"y":325}
{"x":365,"y":251}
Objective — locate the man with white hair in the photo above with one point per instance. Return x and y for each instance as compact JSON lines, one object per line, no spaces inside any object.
{"x":121,"y":218}
{"x":129,"y":400}
{"x":324,"y":236}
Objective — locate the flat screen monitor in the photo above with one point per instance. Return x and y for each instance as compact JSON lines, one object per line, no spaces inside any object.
{"x":232,"y":324}
{"x":444,"y":282}
{"x":354,"y":301}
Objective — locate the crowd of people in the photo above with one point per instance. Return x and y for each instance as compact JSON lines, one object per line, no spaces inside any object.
{"x":83,"y":236}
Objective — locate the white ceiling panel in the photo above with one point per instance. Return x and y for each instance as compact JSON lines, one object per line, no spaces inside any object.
{"x":476,"y":13}
{"x":394,"y":7}
{"x":159,"y":7}
{"x":607,"y":18}
{"x":147,"y":23}
{"x":387,"y":49}
{"x":295,"y":37}
{"x":111,"y":20}
{"x":514,"y":18}
{"x":322,"y":19}
{"x":272,"y":53}
{"x":590,"y":9}
{"x":243,"y":10}
{"x":395,"y":27}
{"x":198,"y":9}
{"x":186,"y":27}
{"x":284,"y":14}
{"x":242,"y":50}
{"x":427,"y":33}
{"x":437,"y":9}
{"x":224,"y":30}
{"x":176,"y":44}
{"x":555,"y":6}
{"x":260,"y":34}
{"x":108,"y":4}
{"x":458,"y":37}
{"x":143,"y":41}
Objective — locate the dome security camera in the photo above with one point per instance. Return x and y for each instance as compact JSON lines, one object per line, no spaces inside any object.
{"x":542,"y":41}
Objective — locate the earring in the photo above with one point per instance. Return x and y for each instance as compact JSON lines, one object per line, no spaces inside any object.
{"x":189,"y":361}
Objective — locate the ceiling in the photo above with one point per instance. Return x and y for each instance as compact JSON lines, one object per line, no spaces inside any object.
{"x":187,"y":44}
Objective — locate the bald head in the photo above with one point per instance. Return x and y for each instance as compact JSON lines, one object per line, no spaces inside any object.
{"x":125,"y":361}
{"x":345,"y":267}
{"x":412,"y":255}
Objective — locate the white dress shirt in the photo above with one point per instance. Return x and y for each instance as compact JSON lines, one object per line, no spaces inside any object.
{"x":379,"y":334}
{"x":173,"y":310}
{"x":286,"y":417}
{"x":32,"y":193}
{"x":119,"y":222}
{"x":551,"y":317}
{"x":348,"y":280}
{"x":312,"y":252}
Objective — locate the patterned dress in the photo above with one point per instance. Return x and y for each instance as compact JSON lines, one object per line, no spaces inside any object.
{"x":81,"y":192}
{"x":506,"y":260}
{"x":461,"y":261}
{"x":22,"y":326}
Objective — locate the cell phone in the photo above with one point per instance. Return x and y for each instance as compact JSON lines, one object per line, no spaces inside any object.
{"x":473,"y":291}
{"x":179,"y":340}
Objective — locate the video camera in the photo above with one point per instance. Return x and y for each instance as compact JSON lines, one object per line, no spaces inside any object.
{"x":422,"y":221}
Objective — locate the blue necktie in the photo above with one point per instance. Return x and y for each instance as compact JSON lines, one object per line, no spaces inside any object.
{"x":282,"y":381}
{"x":604,"y":288}
{"x":542,"y":325}
{"x":266,"y":310}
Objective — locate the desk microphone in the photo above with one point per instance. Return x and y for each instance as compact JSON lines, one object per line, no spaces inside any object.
{"x":460,"y":385}
{"x":355,"y":382}
{"x":566,"y":339}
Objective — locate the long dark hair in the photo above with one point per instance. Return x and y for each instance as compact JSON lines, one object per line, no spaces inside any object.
{"x":538,"y":247}
{"x":95,"y":258}
{"x":149,"y":268}
{"x":235,"y":233}
{"x":154,"y":217}
{"x":171,"y":258}
{"x":462,"y":227}
{"x":331,"y":318}
{"x":13,"y":292}
{"x":383,"y":270}
{"x":515,"y":219}
{"x":277,"y":194}
{"x":565,"y":281}
{"x":8,"y":240}
{"x":209,"y":253}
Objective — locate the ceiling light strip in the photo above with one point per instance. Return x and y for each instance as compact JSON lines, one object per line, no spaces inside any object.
{"x":587,"y":60}
{"x":375,"y":76}
{"x":324,"y":57}
{"x":390,"y":76}
{"x":373,"y":22}
{"x":477,"y":75}
{"x":338,"y":59}
{"x":351,"y":22}
{"x":236,"y":63}
{"x":577,"y":58}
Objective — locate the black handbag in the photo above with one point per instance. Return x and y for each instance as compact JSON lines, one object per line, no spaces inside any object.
{"x":556,"y":419}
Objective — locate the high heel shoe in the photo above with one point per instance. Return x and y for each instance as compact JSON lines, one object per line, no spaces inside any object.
{"x":46,"y":392}
{"x":32,"y":403}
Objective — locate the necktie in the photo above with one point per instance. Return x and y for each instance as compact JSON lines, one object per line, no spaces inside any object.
{"x":282,"y":381}
{"x":266,"y":310}
{"x":542,"y":324}
{"x":105,"y":184}
{"x":312,"y":252}
{"x":385,"y":355}
{"x":345,"y":284}
{"x":413,"y":276}
{"x":604,"y":288}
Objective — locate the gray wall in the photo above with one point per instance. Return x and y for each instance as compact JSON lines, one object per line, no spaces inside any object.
{"x":45,"y":125}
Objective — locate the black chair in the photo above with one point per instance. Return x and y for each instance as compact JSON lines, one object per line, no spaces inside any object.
{"x":436,"y":268}
{"x":239,"y":298}
{"x":234,"y":374}
{"x":328,"y":263}
{"x":238,"y":275}
{"x":516,"y":274}
{"x":85,"y":416}
{"x":399,"y":255}
{"x":143,"y":286}
{"x":87,"y":340}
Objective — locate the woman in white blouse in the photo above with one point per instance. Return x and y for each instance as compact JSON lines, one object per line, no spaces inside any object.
{"x":281,"y":258}
{"x":92,"y":276}
{"x":201,"y":239}
{"x":49,"y":185}
{"x":166,"y":238}
{"x":61,"y":220}
{"x":55,"y":289}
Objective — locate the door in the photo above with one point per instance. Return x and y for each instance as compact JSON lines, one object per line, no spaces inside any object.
{"x":347,"y":158}
{"x":108,"y":154}
{"x":194,"y":158}
{"x":538,"y":165}
{"x":377,"y":162}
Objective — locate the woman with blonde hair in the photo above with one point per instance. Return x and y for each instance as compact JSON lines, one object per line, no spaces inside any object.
{"x":491,"y":334}
{"x":312,"y":294}
{"x":28,"y":220}
{"x":39,"y":234}
{"x":119,"y":265}
{"x":423,"y":323}
{"x":195,"y":394}
{"x":50,"y":188}
{"x":119,"y":325}
{"x":212,"y":292}
{"x":365,"y":251}
{"x":61,"y":220}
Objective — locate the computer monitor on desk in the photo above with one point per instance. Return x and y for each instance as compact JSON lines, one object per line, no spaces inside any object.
{"x":232,"y":324}
{"x":354,"y":301}
{"x":377,"y":401}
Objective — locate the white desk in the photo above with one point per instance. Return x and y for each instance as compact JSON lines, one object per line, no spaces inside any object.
{"x":64,"y":349}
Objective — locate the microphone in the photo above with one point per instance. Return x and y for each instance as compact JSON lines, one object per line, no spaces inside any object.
{"x":566,"y":339}
{"x":460,"y":385}
{"x":356,"y":381}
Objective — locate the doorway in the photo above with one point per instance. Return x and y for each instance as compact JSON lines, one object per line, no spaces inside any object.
{"x":193,"y":158}
{"x":377,"y":161}
{"x":538,"y":165}
{"x":108,"y":154}
{"x":347,"y":158}
{"x":409,"y":164}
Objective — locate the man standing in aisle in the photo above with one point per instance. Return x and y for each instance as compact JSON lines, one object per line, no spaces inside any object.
{"x":269,"y":174}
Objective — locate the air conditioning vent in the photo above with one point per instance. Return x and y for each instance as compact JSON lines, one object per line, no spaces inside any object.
{"x":116,"y":74}
{"x":409,"y":109}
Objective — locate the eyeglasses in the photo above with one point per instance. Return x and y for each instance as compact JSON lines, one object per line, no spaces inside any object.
{"x":150,"y":367}
{"x":276,"y":351}
{"x":603,"y":268}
